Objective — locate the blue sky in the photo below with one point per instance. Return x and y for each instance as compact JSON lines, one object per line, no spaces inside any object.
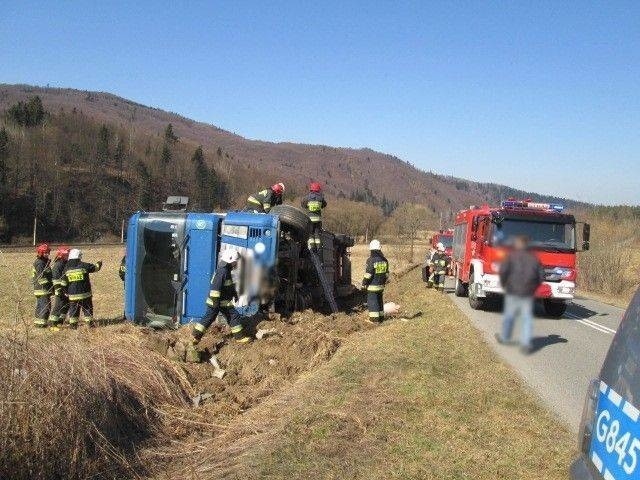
{"x":541,"y":96}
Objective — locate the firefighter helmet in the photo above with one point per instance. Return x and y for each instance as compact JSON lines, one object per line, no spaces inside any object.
{"x":315,"y":187}
{"x":440,"y":247}
{"x":375,"y":245}
{"x":62,"y":252}
{"x":75,"y":254}
{"x":43,"y":249}
{"x":278,"y":188}
{"x":230,"y":256}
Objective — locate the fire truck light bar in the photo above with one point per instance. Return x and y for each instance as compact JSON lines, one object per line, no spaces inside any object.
{"x":556,"y":207}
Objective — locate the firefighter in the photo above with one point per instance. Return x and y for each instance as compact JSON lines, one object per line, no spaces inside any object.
{"x":60,"y":301}
{"x":75,"y":279}
{"x":220,"y":300}
{"x":42,"y":284}
{"x":375,"y":278}
{"x":262,"y":201}
{"x":439,"y":265}
{"x":314,"y":202}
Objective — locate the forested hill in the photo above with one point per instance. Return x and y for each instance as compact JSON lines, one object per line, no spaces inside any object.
{"x":82,"y":161}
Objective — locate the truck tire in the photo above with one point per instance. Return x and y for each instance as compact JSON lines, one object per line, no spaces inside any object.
{"x":294,"y":218}
{"x":554,"y":309}
{"x":462,"y":289}
{"x":475,"y":302}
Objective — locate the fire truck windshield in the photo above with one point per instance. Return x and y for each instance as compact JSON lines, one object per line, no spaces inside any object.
{"x":543,"y":235}
{"x":446,"y":240}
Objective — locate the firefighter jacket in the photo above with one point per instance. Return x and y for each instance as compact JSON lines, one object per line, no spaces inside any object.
{"x":223,"y":288}
{"x":123,"y":268}
{"x":56,"y":274}
{"x":376,"y":272}
{"x":440,"y":263}
{"x":264,"y":200}
{"x":41,"y":275}
{"x":75,"y":278}
{"x":314,"y":203}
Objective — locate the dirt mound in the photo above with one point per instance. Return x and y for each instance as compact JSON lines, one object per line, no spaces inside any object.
{"x":254,"y":371}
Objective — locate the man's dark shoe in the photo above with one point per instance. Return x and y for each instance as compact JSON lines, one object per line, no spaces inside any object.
{"x":526,"y":349}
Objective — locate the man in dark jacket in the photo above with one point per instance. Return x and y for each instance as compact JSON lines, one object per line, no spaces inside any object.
{"x":375,"y":278}
{"x":520,"y":275}
{"x":42,"y":285}
{"x":314,"y":202}
{"x":77,"y":284}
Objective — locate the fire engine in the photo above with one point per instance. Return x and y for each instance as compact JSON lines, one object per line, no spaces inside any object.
{"x":481,"y":241}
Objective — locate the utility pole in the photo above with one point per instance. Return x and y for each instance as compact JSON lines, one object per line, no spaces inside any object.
{"x":122,"y":232}
{"x":35,"y":226}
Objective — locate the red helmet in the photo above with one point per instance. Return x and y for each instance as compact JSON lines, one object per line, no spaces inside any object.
{"x":43,"y":249}
{"x":63,"y":252}
{"x":315,"y":187}
{"x":278,"y":188}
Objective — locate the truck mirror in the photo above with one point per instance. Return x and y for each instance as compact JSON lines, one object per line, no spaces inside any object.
{"x":586,"y":233}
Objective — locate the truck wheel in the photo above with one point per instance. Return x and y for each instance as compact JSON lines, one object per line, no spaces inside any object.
{"x":475,"y":302}
{"x":293,"y":217}
{"x":554,"y":309}
{"x":462,"y":289}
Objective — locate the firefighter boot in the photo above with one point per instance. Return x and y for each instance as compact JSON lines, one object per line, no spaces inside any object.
{"x":239,"y":335}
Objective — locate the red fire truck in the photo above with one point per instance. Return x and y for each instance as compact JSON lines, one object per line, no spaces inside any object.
{"x":481,"y":241}
{"x":446,"y":238}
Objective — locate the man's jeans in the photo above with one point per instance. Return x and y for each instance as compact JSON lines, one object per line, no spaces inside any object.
{"x":514,"y":307}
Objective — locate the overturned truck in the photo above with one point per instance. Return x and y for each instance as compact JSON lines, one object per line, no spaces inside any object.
{"x":172,"y":255}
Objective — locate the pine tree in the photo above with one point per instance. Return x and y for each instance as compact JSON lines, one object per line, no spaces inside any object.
{"x":145,"y":197}
{"x":4,"y":156}
{"x":170,"y":137}
{"x":102,"y":147}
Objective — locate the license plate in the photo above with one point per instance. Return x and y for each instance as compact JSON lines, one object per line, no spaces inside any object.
{"x":615,"y":442}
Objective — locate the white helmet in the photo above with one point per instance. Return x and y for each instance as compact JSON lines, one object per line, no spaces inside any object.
{"x":75,"y":254}
{"x":375,"y":245}
{"x":230,"y":256}
{"x":440,"y":247}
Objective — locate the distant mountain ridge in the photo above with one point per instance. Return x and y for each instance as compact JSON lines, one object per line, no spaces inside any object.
{"x":344,"y":171}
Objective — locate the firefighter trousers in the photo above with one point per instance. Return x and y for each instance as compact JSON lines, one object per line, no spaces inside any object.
{"x":59,"y":308}
{"x":85,"y":306}
{"x":43,"y":307}
{"x":438,"y":279}
{"x":375,"y":306}
{"x":230,"y":314}
{"x":315,"y":239}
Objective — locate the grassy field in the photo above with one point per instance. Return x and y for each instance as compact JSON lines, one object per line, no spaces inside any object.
{"x":331,"y":397}
{"x":16,"y":291}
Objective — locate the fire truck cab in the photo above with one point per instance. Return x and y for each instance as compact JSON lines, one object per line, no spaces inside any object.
{"x":481,"y":241}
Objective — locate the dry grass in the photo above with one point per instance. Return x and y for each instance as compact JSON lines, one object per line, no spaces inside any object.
{"x":424,"y":398}
{"x":419,"y":399}
{"x":80,"y":404}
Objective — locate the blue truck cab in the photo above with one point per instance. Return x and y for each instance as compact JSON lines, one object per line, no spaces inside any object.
{"x":171,"y":257}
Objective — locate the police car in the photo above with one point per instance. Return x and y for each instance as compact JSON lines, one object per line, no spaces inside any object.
{"x":609,"y":437}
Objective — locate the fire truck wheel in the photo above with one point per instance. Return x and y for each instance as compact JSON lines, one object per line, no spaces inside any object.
{"x":475,"y":302}
{"x":554,"y":309}
{"x":294,"y":218}
{"x":461,"y":288}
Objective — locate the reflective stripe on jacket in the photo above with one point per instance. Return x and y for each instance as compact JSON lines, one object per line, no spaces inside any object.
{"x":223,"y":289}
{"x":376,"y":272}
{"x":314,"y":202}
{"x":76,"y":280}
{"x":41,"y":277}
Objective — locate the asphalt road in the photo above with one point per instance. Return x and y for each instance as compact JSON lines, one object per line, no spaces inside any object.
{"x":568,"y":352}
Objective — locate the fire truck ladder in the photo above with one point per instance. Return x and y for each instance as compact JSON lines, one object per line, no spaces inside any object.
{"x":328,"y":292}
